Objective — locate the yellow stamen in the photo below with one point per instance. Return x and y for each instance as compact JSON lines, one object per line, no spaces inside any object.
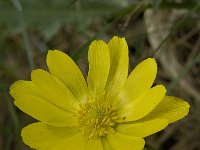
{"x":96,"y":118}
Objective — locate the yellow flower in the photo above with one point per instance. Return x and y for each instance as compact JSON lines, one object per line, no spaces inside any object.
{"x":109,"y":112}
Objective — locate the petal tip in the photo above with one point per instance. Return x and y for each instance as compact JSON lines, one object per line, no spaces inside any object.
{"x":52,"y":52}
{"x":162,"y":88}
{"x":36,"y":72}
{"x":98,"y":42}
{"x":187,"y":108}
{"x":150,"y":63}
{"x":13,"y":87}
{"x":152,"y":60}
{"x":117,"y":38}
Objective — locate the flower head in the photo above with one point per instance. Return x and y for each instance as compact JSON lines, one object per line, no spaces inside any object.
{"x":112,"y":111}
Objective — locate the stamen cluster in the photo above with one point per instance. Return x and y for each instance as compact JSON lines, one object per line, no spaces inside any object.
{"x":96,"y":119}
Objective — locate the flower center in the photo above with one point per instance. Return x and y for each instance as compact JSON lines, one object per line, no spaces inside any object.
{"x":96,"y":119}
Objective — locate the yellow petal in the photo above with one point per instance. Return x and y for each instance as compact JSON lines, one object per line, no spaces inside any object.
{"x":64,"y":68}
{"x":120,"y":141}
{"x":94,"y":144}
{"x":139,"y":81}
{"x":143,"y":128}
{"x":31,"y":101}
{"x":141,"y":107}
{"x":170,"y":108}
{"x":99,"y":65}
{"x":105,"y":143}
{"x":56,"y":92}
{"x":22,"y":87}
{"x":44,"y":111}
{"x":41,"y":136}
{"x":118,"y":66}
{"x":77,"y":142}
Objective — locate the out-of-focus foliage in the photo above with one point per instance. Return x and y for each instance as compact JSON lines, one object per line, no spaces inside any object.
{"x":48,"y":16}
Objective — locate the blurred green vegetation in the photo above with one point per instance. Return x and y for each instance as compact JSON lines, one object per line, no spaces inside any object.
{"x":29,"y":28}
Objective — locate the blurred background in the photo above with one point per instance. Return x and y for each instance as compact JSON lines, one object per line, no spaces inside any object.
{"x":168,"y":30}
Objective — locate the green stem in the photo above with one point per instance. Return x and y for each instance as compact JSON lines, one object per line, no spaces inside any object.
{"x":27,"y":46}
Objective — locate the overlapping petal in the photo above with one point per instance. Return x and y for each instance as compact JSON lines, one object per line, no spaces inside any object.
{"x":119,"y":141}
{"x":141,"y":107}
{"x":94,"y":144}
{"x":142,"y":128}
{"x":22,"y":88}
{"x":170,"y":108}
{"x":99,"y":65}
{"x":118,"y":50}
{"x":30,"y":100}
{"x":56,"y":92}
{"x":64,"y":68}
{"x":138,"y":83}
{"x":41,"y":136}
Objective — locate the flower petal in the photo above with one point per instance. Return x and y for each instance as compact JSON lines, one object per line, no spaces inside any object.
{"x":99,"y":65}
{"x":120,"y":141}
{"x":118,"y":49}
{"x":41,"y":136}
{"x":77,"y":142}
{"x":106,"y":144}
{"x":22,"y":87}
{"x":170,"y":108}
{"x":143,"y":128}
{"x":31,"y":101}
{"x":54,"y":90}
{"x":139,"y":82}
{"x":64,"y":68}
{"x":94,"y":144}
{"x":141,"y":107}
